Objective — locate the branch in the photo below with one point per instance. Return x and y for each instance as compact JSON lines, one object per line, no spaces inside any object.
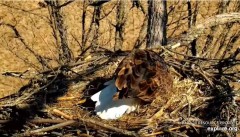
{"x":60,"y":125}
{"x":39,"y":58}
{"x":65,"y":4}
{"x":98,"y":2}
{"x":197,"y":30}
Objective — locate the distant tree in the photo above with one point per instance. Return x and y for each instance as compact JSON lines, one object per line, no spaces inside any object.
{"x":96,"y":25}
{"x":59,"y":30}
{"x":157,"y":21}
{"x":120,"y":23}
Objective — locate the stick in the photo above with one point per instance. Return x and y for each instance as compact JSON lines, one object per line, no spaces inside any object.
{"x":60,"y":113}
{"x":109,"y":127}
{"x":61,"y":125}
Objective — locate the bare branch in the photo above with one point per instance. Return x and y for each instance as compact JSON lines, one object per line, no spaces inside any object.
{"x":59,"y":29}
{"x":197,"y":30}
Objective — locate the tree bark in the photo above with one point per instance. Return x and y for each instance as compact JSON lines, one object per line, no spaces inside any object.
{"x":120,"y":18}
{"x":60,"y":32}
{"x":96,"y":26}
{"x":157,"y":21}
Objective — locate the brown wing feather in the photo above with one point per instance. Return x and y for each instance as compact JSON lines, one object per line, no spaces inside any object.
{"x":143,"y":74}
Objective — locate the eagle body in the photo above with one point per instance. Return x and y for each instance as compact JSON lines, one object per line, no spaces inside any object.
{"x":142,"y":76}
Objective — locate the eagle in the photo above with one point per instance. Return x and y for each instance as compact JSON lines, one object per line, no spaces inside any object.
{"x":140,"y":78}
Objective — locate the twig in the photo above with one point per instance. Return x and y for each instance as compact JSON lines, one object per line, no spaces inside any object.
{"x":109,"y":127}
{"x":42,"y":121}
{"x":26,"y":11}
{"x":4,"y":121}
{"x":189,"y":105}
{"x":190,"y":123}
{"x":205,"y":77}
{"x":197,"y":30}
{"x":61,"y":125}
{"x":60,"y":113}
{"x":65,"y":4}
{"x":160,"y":112}
{"x":94,"y":122}
{"x":66,"y":98}
{"x":162,"y":132}
{"x":23,"y":98}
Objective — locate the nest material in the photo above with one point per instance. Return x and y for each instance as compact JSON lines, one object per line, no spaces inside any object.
{"x":189,"y":110}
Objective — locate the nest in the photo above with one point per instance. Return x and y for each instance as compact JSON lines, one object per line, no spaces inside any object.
{"x":57,"y":104}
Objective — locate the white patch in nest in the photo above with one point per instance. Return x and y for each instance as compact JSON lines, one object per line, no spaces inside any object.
{"x":107,"y":108}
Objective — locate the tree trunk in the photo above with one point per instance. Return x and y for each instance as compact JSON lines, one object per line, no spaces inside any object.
{"x":84,"y":14}
{"x":157,"y":21}
{"x":59,"y":31}
{"x":121,"y":19}
{"x":96,"y":26}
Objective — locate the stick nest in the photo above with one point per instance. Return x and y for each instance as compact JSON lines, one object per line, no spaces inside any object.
{"x":56,"y":102}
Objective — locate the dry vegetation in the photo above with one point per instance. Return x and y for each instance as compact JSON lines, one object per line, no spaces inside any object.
{"x":45,"y":96}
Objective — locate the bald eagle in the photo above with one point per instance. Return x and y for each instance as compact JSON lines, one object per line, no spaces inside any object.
{"x":141,"y":77}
